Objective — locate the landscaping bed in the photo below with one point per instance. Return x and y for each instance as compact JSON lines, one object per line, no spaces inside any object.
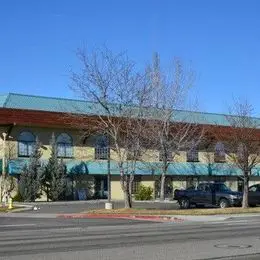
{"x":196,"y":212}
{"x":5,"y":209}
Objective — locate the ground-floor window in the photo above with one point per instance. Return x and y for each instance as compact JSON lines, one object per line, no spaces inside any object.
{"x":100,"y":188}
{"x":136,"y":184}
{"x":240,"y":185}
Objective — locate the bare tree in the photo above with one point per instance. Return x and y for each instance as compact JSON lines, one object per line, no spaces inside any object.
{"x":8,"y":182}
{"x":110,"y":80}
{"x":241,"y":140}
{"x":172,"y":130}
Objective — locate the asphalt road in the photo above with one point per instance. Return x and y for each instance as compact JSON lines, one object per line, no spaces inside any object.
{"x":50,"y":239}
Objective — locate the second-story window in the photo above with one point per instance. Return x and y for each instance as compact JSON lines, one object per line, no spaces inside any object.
{"x":193,"y":154}
{"x":64,"y":146}
{"x":219,"y":153}
{"x":102,"y":148}
{"x":26,"y":142}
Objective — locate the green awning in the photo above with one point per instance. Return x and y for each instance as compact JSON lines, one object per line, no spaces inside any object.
{"x":152,"y":168}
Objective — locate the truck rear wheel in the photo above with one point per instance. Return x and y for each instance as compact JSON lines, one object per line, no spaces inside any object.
{"x":184,"y":203}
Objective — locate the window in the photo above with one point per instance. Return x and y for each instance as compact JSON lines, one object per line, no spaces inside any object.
{"x":221,"y":187}
{"x":201,"y":187}
{"x":64,"y":146}
{"x":26,"y":142}
{"x":165,"y":155}
{"x":192,"y":154}
{"x":253,"y":188}
{"x":136,"y":184}
{"x":204,"y":187}
{"x":102,"y":149}
{"x":219,"y":153}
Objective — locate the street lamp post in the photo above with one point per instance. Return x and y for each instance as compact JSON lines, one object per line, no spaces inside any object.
{"x":3,"y":168}
{"x":109,"y":204}
{"x":108,"y":177}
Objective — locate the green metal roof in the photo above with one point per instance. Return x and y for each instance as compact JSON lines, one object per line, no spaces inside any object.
{"x":30,"y":102}
{"x":3,"y":99}
{"x":50,"y":104}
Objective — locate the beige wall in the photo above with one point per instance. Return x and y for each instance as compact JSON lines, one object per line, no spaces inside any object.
{"x":232,"y":183}
{"x":179,"y":184}
{"x":181,"y":157}
{"x":1,"y":141}
{"x":116,"y":191}
{"x":150,"y":155}
{"x":206,"y":157}
{"x":10,"y":146}
{"x":84,"y":151}
{"x":80,"y":151}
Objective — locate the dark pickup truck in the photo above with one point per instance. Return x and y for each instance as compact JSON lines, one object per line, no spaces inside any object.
{"x":216,"y":194}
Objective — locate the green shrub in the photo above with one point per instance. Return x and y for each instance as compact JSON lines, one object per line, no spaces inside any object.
{"x":144,"y":193}
{"x":18,"y":197}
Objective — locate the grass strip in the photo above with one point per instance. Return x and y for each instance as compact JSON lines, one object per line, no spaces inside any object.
{"x":195,"y":212}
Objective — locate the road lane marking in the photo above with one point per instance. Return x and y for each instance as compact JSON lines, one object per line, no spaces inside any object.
{"x":17,"y":225}
{"x":231,"y":223}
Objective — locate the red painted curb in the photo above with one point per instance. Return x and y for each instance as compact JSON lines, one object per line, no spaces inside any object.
{"x":122,"y":216}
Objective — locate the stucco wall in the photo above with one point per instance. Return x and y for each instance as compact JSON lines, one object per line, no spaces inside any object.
{"x":116,"y":191}
{"x":181,"y":157}
{"x":80,"y":151}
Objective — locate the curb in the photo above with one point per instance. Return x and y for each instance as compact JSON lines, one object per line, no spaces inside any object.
{"x":122,"y":216}
{"x":20,"y":208}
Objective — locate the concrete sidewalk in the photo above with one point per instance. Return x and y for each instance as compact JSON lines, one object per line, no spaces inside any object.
{"x":66,"y":207}
{"x":94,"y":202}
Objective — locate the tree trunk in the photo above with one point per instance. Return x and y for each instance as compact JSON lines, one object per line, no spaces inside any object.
{"x":124,"y":180}
{"x":245,"y":192}
{"x":130,"y":185}
{"x":128,"y":199}
{"x":162,"y":187}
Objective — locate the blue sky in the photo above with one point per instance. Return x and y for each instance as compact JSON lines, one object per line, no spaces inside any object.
{"x":220,"y":37}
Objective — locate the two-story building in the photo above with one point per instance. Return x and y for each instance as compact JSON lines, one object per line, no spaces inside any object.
{"x":26,"y":117}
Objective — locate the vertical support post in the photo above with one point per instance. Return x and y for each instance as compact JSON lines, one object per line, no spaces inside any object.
{"x":108,"y":176}
{"x":3,"y":168}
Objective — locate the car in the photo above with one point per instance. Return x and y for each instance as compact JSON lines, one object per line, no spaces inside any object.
{"x":210,"y":194}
